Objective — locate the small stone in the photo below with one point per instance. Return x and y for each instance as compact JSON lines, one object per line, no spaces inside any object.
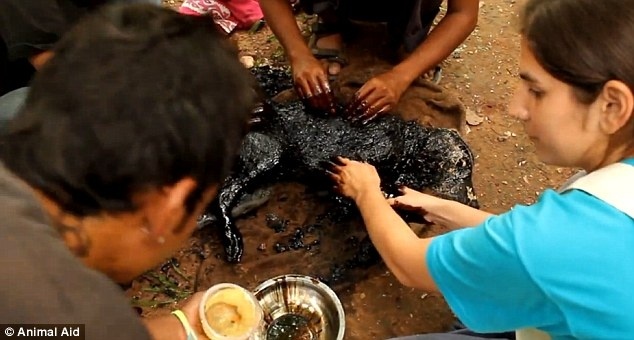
{"x":280,"y":248}
{"x":473,"y":118}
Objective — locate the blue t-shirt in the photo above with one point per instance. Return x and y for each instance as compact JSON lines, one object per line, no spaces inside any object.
{"x":564,"y":265}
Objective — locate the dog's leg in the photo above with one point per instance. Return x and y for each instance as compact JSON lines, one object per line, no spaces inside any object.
{"x":231,"y":237}
{"x":259,"y":155}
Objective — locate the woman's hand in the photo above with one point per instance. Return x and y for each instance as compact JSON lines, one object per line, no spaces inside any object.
{"x":437,"y":210}
{"x":413,"y":200}
{"x":354,"y":179}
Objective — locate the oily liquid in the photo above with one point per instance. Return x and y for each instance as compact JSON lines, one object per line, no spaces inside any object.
{"x":289,"y":327}
{"x":230,"y":313}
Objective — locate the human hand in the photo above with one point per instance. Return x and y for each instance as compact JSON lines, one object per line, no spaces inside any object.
{"x":170,"y":327}
{"x":377,"y":96}
{"x":413,"y":200}
{"x":311,"y":83}
{"x":353,"y":179}
{"x":190,"y":309}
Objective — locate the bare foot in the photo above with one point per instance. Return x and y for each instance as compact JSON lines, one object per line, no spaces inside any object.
{"x":331,"y":42}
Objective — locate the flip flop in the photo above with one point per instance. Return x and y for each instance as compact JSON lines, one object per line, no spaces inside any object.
{"x":331,"y":55}
{"x":436,"y":75}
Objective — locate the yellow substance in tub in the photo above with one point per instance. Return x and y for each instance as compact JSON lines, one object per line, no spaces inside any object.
{"x":230,"y":312}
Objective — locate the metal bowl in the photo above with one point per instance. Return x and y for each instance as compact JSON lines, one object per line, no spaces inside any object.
{"x":310,"y":306}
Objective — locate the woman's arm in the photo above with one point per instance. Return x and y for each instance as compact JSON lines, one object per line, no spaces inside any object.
{"x":451,"y":214}
{"x":401,"y":249}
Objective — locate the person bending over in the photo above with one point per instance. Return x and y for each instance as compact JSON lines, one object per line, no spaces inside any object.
{"x":408,"y":22}
{"x":118,"y":149}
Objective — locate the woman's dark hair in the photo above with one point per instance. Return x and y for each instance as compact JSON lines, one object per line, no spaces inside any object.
{"x":136,"y":97}
{"x":584,"y":43}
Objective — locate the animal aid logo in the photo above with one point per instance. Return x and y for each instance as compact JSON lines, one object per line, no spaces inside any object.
{"x":42,"y":331}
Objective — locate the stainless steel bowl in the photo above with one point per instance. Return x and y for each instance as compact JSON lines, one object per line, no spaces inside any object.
{"x":305,"y":299}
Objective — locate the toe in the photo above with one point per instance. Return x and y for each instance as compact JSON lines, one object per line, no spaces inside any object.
{"x":334,"y":68}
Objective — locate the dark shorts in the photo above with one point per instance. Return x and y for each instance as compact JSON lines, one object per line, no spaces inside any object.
{"x":408,"y":21}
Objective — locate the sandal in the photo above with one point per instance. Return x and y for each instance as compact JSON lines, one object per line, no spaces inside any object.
{"x":435,"y":75}
{"x":331,"y":55}
{"x":432,"y":76}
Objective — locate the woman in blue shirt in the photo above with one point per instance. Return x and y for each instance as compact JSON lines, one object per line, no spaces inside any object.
{"x":559,"y":268}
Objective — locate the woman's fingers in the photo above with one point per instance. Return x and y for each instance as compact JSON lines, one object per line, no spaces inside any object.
{"x":343,"y":160}
{"x":406,"y":190}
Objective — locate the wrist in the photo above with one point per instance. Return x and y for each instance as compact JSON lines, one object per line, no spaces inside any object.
{"x":366,"y":196}
{"x":165,"y":327}
{"x":444,"y":212}
{"x":299,"y":53}
{"x":404,"y":74}
{"x":185,"y":330}
{"x":438,"y":205}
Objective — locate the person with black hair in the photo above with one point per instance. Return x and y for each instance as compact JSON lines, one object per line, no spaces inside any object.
{"x":105,"y":169}
{"x":409,"y":24}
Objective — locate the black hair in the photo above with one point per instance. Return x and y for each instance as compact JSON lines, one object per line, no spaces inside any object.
{"x":136,"y":97}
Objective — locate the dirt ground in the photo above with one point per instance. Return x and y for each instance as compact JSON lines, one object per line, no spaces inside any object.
{"x":482,"y":73}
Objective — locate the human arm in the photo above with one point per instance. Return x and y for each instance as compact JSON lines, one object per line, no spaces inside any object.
{"x":169,"y":327}
{"x":165,"y":327}
{"x":309,"y":75}
{"x":493,"y":276}
{"x":383,"y":92}
{"x":448,"y":213}
{"x":401,"y":249}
